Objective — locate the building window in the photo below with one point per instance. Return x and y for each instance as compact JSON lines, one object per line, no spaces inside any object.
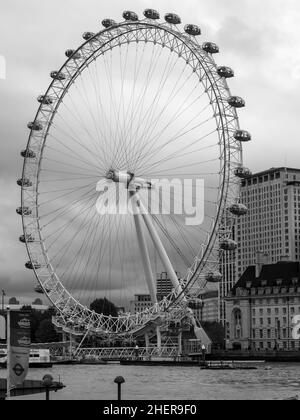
{"x":237,"y":323}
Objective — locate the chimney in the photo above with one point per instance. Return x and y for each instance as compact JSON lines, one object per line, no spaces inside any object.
{"x":262,"y":258}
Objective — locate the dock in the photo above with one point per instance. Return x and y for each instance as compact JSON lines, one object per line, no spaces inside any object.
{"x":29,"y":387}
{"x":227,"y":365}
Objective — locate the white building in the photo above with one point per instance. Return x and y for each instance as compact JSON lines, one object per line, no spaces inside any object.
{"x":270,"y":230}
{"x":140,"y":303}
{"x":272,"y":224}
{"x":262,"y":306}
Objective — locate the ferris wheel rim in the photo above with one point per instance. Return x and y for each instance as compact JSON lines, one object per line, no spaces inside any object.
{"x":163,"y":27}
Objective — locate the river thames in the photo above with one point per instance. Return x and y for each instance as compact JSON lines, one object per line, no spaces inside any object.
{"x":96,"y":382}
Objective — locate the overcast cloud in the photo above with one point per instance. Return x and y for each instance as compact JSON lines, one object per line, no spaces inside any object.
{"x":260,"y":39}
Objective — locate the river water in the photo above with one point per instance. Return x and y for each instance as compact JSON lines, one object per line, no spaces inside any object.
{"x":83,"y":382}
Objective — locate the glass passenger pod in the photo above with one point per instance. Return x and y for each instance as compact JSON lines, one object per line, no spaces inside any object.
{"x":242,"y":172}
{"x":238,"y":209}
{"x":213,"y":277}
{"x":236,"y":102}
{"x":128,"y":15}
{"x":73,"y":54}
{"x":35,"y":126}
{"x":39,"y":289}
{"x":45,"y":100}
{"x":32,"y":265}
{"x":210,"y":48}
{"x":26,"y":238}
{"x":225,"y":72}
{"x":24,"y":182}
{"x":107,"y":23}
{"x":228,"y":245}
{"x":88,"y":35}
{"x":193,"y":30}
{"x":151,"y":14}
{"x":195,"y":304}
{"x":23,"y":211}
{"x":28,"y":154}
{"x":172,"y":18}
{"x":242,"y":135}
{"x":56,"y":75}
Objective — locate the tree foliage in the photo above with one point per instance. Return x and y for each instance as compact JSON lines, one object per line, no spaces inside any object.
{"x":104,"y":306}
{"x":46,"y":332}
{"x":37,"y":319}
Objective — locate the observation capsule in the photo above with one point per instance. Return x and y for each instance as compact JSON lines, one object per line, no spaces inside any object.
{"x":39,"y":289}
{"x":228,"y":245}
{"x":213,"y":277}
{"x":107,"y":23}
{"x":242,"y":135}
{"x":225,"y":72}
{"x":242,"y":172}
{"x":73,"y":54}
{"x":23,"y":211}
{"x":151,"y":14}
{"x":128,"y":15}
{"x":195,"y":304}
{"x":26,"y":238}
{"x":236,"y":102}
{"x":172,"y":18}
{"x":88,"y":35}
{"x":33,"y":265}
{"x":193,"y":30}
{"x":24,"y":182}
{"x":238,"y":209}
{"x":56,"y":75}
{"x":210,"y":48}
{"x":35,"y":125}
{"x":45,"y":100}
{"x":29,"y":154}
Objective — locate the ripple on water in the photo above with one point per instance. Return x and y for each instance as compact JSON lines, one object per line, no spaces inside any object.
{"x":179,"y":383}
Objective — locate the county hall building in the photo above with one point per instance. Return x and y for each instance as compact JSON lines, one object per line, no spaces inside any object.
{"x":261,"y":307}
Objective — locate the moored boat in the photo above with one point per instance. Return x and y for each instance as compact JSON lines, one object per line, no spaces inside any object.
{"x":38,"y":358}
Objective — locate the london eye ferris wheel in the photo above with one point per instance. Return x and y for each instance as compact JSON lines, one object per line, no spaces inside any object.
{"x":139,"y":104}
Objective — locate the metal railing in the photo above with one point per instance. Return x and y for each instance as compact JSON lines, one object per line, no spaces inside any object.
{"x":118,"y":353}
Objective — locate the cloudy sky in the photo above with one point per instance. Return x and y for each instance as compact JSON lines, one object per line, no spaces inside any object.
{"x":259,"y":39}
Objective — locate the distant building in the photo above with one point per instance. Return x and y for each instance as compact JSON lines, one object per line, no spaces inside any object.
{"x":272,"y":225}
{"x":140,"y":303}
{"x":37,"y":304}
{"x":164,"y":286}
{"x":120,"y":310}
{"x":261,"y":307}
{"x":209,"y":311}
{"x":270,"y":230}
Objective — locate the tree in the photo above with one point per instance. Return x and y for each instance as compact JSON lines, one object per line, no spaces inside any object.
{"x":46,"y":332}
{"x":104,"y":306}
{"x":36,"y":318}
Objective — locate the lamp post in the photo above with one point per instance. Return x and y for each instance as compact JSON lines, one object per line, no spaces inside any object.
{"x":119,"y":380}
{"x":203,"y":349}
{"x":47,"y":382}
